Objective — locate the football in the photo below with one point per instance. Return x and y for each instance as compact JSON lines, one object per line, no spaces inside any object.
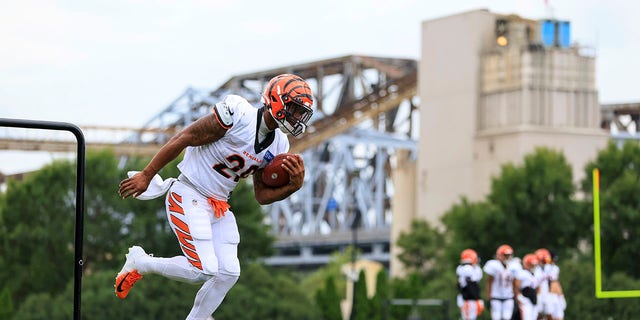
{"x":274,"y":174}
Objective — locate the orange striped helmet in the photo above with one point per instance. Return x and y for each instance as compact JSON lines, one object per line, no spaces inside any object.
{"x":469,"y":256}
{"x":544,"y":256}
{"x":530,"y":261}
{"x":504,"y":252}
{"x":289,"y":100}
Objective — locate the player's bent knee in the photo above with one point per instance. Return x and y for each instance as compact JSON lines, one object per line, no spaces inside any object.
{"x":232,"y":266}
{"x":210,"y":268}
{"x":227,"y":280}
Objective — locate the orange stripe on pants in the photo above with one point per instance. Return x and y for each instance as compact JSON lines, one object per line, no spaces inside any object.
{"x":182,"y":231}
{"x":174,"y":203}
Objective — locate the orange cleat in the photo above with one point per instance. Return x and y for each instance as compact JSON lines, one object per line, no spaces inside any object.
{"x":128,"y":276}
{"x":125,"y":281}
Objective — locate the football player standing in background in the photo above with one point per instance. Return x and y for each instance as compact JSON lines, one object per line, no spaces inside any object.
{"x":527,"y":285}
{"x":544,"y":257}
{"x":555,"y":298}
{"x":234,"y":141}
{"x":500,"y":289}
{"x":469,"y":276}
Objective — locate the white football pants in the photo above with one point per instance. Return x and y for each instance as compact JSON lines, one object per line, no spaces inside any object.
{"x":528,"y":310}
{"x":209,"y":246}
{"x":501,"y":309}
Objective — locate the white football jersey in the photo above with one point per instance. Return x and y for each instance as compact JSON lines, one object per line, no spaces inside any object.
{"x":543,"y":280}
{"x":502,"y":286}
{"x":552,"y":271}
{"x":215,"y":168}
{"x":514,"y":265}
{"x":467,"y":271}
{"x":527,"y":279}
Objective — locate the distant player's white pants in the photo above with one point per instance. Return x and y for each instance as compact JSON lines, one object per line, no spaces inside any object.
{"x":209,"y":245}
{"x":557,"y":305}
{"x":544,"y":306}
{"x":528,"y":310}
{"x":469,"y":309}
{"x":501,"y":309}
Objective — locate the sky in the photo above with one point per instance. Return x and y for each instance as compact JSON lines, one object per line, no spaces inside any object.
{"x":120,"y":62}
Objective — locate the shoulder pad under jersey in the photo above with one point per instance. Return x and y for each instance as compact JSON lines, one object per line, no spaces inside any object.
{"x":493,"y":267}
{"x":224,"y":114}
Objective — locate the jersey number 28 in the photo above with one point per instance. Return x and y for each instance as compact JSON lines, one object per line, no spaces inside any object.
{"x":237,"y":165}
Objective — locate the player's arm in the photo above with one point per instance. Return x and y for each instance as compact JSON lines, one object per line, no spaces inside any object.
{"x":488,"y":289}
{"x":294,"y":166}
{"x":516,"y":287}
{"x":203,"y":131}
{"x":555,"y":287}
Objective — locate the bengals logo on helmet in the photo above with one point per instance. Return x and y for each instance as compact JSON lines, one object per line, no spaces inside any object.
{"x":289,"y":99}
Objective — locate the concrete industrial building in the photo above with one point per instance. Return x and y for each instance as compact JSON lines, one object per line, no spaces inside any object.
{"x":493,"y":87}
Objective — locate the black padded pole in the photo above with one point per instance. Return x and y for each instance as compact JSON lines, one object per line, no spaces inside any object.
{"x":80,"y":163}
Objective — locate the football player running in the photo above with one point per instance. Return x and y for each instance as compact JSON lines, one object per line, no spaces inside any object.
{"x":236,"y":140}
{"x":500,"y":289}
{"x":469,"y":276}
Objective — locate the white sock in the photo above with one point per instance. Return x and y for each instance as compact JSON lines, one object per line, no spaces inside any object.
{"x":176,"y":268}
{"x":210,"y":296}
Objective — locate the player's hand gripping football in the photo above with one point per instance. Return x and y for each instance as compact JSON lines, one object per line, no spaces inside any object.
{"x":294,"y":166}
{"x":134,"y":186}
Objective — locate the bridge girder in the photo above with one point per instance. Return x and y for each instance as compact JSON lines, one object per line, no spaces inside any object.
{"x":366,"y":108}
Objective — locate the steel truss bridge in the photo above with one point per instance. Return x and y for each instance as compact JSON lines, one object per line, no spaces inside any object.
{"x":366,"y":111}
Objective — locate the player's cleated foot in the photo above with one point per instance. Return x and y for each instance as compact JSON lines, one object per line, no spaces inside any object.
{"x":125,"y":282}
{"x":128,"y":276}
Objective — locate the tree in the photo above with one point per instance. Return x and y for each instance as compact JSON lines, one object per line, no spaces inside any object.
{"x":537,"y":199}
{"x":577,"y":278}
{"x":466,"y":223}
{"x":113,"y":224}
{"x":529,"y":206}
{"x":421,"y":247}
{"x":6,"y":304}
{"x":316,"y":280}
{"x":328,"y":301}
{"x":37,"y":217}
{"x":361,"y":304}
{"x":380,"y":300}
{"x":269,"y":293}
{"x":409,"y":287}
{"x":423,"y":254}
{"x":145,"y":221}
{"x":619,"y":206}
